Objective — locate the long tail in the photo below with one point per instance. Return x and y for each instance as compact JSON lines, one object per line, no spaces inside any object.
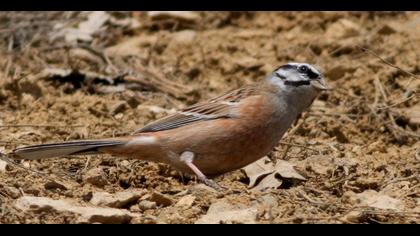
{"x":81,"y":147}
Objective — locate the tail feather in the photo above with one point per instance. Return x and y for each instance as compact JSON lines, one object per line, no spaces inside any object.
{"x":81,"y":147}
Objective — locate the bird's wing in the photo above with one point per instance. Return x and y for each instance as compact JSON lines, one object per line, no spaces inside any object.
{"x":216,"y":108}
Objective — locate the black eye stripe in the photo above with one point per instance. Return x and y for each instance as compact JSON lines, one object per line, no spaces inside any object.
{"x":311,"y":74}
{"x":297,"y":83}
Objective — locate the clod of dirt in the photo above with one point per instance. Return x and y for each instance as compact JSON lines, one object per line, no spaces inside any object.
{"x":354,"y":216}
{"x":96,"y":176}
{"x":171,"y":216}
{"x":179,"y":15}
{"x":200,"y":190}
{"x":12,"y":192}
{"x":52,"y":185}
{"x":387,"y":30}
{"x":338,"y":134}
{"x":85,"y":214}
{"x":227,"y":213}
{"x":371,"y":198}
{"x":186,"y":201}
{"x":319,"y":164}
{"x":147,"y":205}
{"x":342,"y":29}
{"x":348,"y":164}
{"x":338,"y":72}
{"x":118,"y":107}
{"x":125,"y":164}
{"x":161,"y":199}
{"x":116,"y":200}
{"x":30,"y":87}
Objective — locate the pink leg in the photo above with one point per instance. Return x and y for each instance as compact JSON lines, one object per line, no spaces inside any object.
{"x":187,"y":158}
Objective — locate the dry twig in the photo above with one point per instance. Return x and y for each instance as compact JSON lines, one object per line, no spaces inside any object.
{"x":388,"y":63}
{"x":301,"y":146}
{"x":154,"y":80}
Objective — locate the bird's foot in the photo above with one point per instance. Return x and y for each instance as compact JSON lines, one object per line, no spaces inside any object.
{"x":212,"y":184}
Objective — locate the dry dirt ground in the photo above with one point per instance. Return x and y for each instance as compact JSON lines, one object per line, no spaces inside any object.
{"x":355,"y":155}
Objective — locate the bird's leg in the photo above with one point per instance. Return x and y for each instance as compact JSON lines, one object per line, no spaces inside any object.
{"x":188,"y":157}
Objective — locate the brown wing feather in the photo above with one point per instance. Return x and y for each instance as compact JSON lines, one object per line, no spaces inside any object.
{"x":216,"y":108}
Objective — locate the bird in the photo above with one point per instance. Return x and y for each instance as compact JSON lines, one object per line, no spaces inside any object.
{"x":212,"y":137}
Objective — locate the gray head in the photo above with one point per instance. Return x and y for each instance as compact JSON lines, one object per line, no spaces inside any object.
{"x":299,"y":75}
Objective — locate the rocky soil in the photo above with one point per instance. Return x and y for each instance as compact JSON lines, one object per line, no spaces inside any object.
{"x":354,"y":157}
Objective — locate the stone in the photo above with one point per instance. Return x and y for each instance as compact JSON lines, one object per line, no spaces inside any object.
{"x":150,"y":220}
{"x":161,"y":199}
{"x":224,"y":212}
{"x":353,"y":216}
{"x":201,"y":190}
{"x":86,"y":214}
{"x":147,"y":205}
{"x":126,"y":164}
{"x":116,"y":200}
{"x":96,"y":176}
{"x":186,"y":201}
{"x":371,"y":198}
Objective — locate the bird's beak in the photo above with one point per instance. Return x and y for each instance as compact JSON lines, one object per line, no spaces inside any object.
{"x":320,"y":84}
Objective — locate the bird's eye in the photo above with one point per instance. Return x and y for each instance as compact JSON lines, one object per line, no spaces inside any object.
{"x":303,"y":69}
{"x":308,"y":72}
